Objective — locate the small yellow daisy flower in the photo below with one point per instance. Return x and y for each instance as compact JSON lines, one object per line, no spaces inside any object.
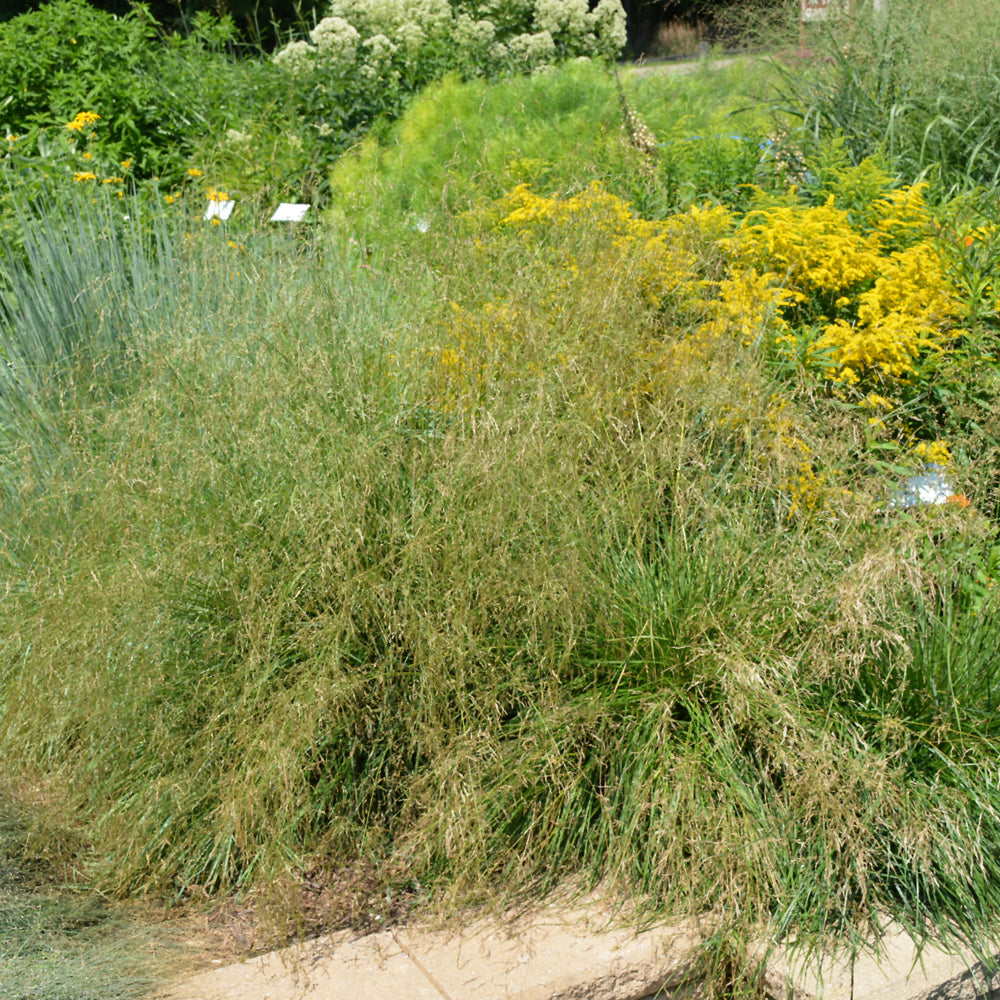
{"x":82,"y":120}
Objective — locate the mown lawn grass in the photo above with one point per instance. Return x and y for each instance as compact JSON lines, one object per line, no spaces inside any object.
{"x":57,"y":940}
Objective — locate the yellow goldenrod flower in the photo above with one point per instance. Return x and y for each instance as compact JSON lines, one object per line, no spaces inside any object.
{"x":193,"y":172}
{"x":170,"y":198}
{"x":127,"y":164}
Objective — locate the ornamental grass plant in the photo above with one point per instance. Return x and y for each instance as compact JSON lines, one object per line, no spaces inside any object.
{"x":912,"y":81}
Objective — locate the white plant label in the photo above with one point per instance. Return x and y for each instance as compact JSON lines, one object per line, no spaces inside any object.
{"x":289,"y":211}
{"x":219,"y":210}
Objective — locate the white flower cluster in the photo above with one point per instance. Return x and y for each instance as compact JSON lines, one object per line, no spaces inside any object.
{"x":557,"y":16}
{"x":531,"y":52}
{"x":473,"y":36}
{"x":381,"y":40}
{"x":336,"y":39}
{"x":608,"y":19}
{"x":433,"y":18}
{"x":296,"y":58}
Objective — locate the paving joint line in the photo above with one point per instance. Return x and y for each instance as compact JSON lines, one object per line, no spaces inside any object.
{"x":420,"y":965}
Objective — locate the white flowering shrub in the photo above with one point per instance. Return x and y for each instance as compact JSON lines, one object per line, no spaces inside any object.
{"x":366,"y":56}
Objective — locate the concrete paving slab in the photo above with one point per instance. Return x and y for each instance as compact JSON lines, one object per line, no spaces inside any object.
{"x":899,"y":974}
{"x":333,"y":966}
{"x":552,"y":956}
{"x":548,"y":955}
{"x":563,"y":953}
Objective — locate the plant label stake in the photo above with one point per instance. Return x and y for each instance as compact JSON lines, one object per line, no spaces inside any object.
{"x":289,"y":212}
{"x":219,"y":210}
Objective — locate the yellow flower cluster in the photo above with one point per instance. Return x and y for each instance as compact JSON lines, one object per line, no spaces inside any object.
{"x":908,"y":311}
{"x":937,"y":452}
{"x":878,"y":289}
{"x":82,"y":121}
{"x":526,"y":211}
{"x":475,"y":350}
{"x":813,"y":249}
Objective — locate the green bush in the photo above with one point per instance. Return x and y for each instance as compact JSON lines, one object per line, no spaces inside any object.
{"x":461,"y":142}
{"x":164,"y":103}
{"x":69,"y":57}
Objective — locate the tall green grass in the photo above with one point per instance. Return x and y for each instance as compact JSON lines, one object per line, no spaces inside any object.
{"x":915,"y":84}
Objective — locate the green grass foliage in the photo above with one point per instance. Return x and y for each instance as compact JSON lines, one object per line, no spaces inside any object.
{"x":56,"y":942}
{"x":914,"y":82}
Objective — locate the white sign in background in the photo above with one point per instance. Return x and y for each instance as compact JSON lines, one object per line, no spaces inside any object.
{"x":819,"y":10}
{"x":219,"y":210}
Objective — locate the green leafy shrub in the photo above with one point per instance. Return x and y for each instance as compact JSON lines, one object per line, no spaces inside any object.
{"x":163,"y":103}
{"x":69,"y":57}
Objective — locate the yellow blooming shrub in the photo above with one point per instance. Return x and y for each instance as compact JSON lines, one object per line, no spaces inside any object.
{"x":749,"y":306}
{"x":526,"y":211}
{"x":907,"y":312}
{"x":860,"y":296}
{"x":814,"y":250}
